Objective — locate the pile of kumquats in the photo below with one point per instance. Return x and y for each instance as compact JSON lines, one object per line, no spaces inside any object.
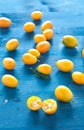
{"x":43,"y":71}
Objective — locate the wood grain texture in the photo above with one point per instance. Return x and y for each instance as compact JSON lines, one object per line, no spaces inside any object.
{"x":68,"y":18}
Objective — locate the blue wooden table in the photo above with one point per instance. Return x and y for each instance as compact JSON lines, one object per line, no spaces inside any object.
{"x":68,"y":18}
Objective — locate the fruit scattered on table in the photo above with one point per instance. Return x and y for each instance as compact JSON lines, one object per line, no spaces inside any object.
{"x":36,"y":15}
{"x":34,"y":52}
{"x":46,"y":25}
{"x":9,"y":81}
{"x":78,"y":77}
{"x":65,"y":65}
{"x":63,"y":93}
{"x":34,"y":103}
{"x":12,"y":44}
{"x":83,"y":53}
{"x":29,"y":27}
{"x":9,"y":63}
{"x":70,"y":41}
{"x":44,"y":69}
{"x":5,"y":22}
{"x":39,"y":38}
{"x":48,"y":33}
{"x":43,"y":46}
{"x":49,"y":106}
{"x":40,"y":75}
{"x":29,"y":59}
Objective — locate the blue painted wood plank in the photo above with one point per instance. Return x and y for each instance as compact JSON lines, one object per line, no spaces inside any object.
{"x":68,"y":18}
